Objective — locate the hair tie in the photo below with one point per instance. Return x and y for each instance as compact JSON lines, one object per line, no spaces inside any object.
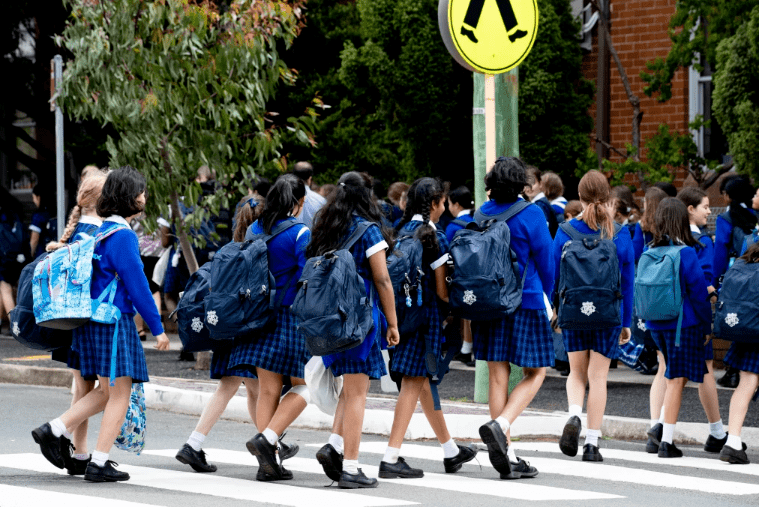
{"x":251,"y":202}
{"x":341,"y":184}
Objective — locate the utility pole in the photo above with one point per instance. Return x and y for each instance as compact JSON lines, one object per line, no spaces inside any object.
{"x":56,"y":76}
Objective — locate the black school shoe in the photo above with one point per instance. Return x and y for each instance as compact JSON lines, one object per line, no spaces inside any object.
{"x":570,"y":437}
{"x":359,"y":480}
{"x":655,"y":434}
{"x":498,"y":446}
{"x":734,"y":456}
{"x":286,"y":451}
{"x":77,"y":466}
{"x":454,"y":464}
{"x":714,"y":445}
{"x":196,"y":459}
{"x":266,"y":454}
{"x":731,"y":378}
{"x":667,"y":450}
{"x":50,"y":445}
{"x":590,"y":452}
{"x":467,"y":359}
{"x":105,"y":473}
{"x":399,"y":469}
{"x":262,"y":476}
{"x":520,"y":470}
{"x":331,"y":461}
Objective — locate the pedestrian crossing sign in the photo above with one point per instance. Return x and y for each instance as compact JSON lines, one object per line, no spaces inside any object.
{"x":488,"y":36}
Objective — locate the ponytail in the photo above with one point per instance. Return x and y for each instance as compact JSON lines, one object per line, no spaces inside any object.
{"x":246,"y":215}
{"x":595,"y":192}
{"x":87,"y":197}
{"x":283,"y":196}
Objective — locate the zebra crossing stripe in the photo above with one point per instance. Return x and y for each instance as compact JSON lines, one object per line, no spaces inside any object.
{"x":15,"y":496}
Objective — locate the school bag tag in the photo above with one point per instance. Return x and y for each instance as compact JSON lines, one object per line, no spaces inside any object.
{"x":404,"y":265}
{"x":333,"y":311}
{"x":437,"y":367}
{"x":658,"y":294}
{"x":589,"y":281}
{"x":737,"y":309}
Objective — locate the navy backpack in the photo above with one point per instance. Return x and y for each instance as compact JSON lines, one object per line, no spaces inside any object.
{"x":737,"y":236}
{"x":404,"y":264}
{"x":190,"y":312}
{"x":737,"y":315}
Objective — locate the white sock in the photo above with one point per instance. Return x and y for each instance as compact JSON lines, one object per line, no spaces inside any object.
{"x":717,"y":430}
{"x":350,"y":466}
{"x":734,"y":441}
{"x":337,"y":442}
{"x":270,"y":436}
{"x":81,"y":457}
{"x":196,"y":440}
{"x":99,"y":458}
{"x":654,"y":422}
{"x":391,"y":456}
{"x":575,"y":410}
{"x":68,"y":435}
{"x":591,"y":437}
{"x":503,"y":422}
{"x":669,"y":433}
{"x":58,"y":428}
{"x":466,"y":347}
{"x":512,"y":455}
{"x":661,"y":415}
{"x":450,"y":449}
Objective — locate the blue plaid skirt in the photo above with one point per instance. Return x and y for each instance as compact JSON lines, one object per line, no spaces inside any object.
{"x":688,"y":360}
{"x":93,"y":342}
{"x":709,"y":350}
{"x":408,"y":357}
{"x":220,"y":364}
{"x":603,"y":341}
{"x":374,"y":366}
{"x":281,"y":350}
{"x":71,"y":358}
{"x":524,"y":338}
{"x":743,"y":356}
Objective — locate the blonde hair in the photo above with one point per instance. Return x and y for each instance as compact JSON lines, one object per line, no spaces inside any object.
{"x":86,"y":201}
{"x":595,"y":192}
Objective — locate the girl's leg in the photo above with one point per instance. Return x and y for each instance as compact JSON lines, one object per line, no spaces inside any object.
{"x":251,"y":387}
{"x":598,"y":371}
{"x":225,"y":390}
{"x":6,"y":294}
{"x":290,"y":407}
{"x":523,"y":393}
{"x":92,"y":403}
{"x":269,"y":391}
{"x":498,"y":387}
{"x":707,"y":393}
{"x":411,"y":387}
{"x":740,"y":401}
{"x":79,"y":435}
{"x":672,"y":400}
{"x":578,"y":377}
{"x":658,"y":388}
{"x":434,"y":417}
{"x":114,"y":413}
{"x":351,"y":414}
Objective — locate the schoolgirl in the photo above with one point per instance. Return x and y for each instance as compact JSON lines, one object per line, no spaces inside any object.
{"x":590,"y":352}
{"x":524,"y":338}
{"x":553,"y":187}
{"x":745,"y":358}
{"x":687,"y":361}
{"x":739,"y":218}
{"x":281,"y":351}
{"x":13,"y":249}
{"x":116,"y":257}
{"x":348,"y":206}
{"x":425,"y":203}
{"x":533,"y":191}
{"x":644,"y":229}
{"x":82,"y":220}
{"x":43,"y":226}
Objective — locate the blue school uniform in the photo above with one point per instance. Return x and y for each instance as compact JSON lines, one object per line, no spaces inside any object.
{"x":280,"y":349}
{"x":43,"y":225}
{"x":640,"y":239}
{"x":220,"y":363}
{"x":408,"y":357}
{"x":10,"y":268}
{"x":743,"y":356}
{"x":366,"y":358}
{"x":689,"y":359}
{"x":453,"y":227}
{"x":603,"y":341}
{"x":705,"y":252}
{"x":118,"y":255}
{"x":523,"y":338}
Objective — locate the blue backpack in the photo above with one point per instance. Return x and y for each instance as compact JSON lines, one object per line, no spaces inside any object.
{"x":404,"y":265}
{"x":334,"y":313}
{"x":590,"y":294}
{"x":486,"y":282}
{"x":191,"y":312}
{"x":737,"y":315}
{"x":750,"y":240}
{"x":11,"y":239}
{"x":243,"y":292}
{"x":658,"y":294}
{"x":737,"y":236}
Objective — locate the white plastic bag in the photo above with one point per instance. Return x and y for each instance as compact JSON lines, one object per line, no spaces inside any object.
{"x":159,"y":272}
{"x":323,"y":387}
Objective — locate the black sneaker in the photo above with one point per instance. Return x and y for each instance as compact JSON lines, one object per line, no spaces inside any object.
{"x":266,"y":454}
{"x":399,"y":469}
{"x":714,"y":445}
{"x":520,"y":470}
{"x":454,"y":464}
{"x":493,"y":436}
{"x":331,"y":461}
{"x":570,"y":437}
{"x":262,"y":476}
{"x":105,"y":473}
{"x":50,"y":445}
{"x":359,"y":480}
{"x":196,"y":459}
{"x":734,"y":456}
{"x":590,"y":452}
{"x":667,"y":450}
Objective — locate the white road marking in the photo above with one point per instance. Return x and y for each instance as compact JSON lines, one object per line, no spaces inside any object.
{"x":15,"y":496}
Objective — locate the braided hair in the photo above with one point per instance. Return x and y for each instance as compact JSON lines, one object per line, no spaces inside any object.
{"x":421,"y":195}
{"x":86,"y":199}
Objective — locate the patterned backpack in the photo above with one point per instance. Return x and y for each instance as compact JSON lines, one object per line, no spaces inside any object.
{"x":132,"y":435}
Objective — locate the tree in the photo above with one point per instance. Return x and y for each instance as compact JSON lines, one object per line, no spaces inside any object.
{"x":184,"y":83}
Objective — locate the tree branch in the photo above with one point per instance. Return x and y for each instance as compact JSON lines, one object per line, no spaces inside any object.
{"x":711,"y":180}
{"x":610,"y":147}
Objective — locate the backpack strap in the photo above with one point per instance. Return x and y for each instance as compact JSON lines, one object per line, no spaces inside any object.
{"x":460,"y":222}
{"x":514,"y":209}
{"x":437,"y":367}
{"x":353,"y":238}
{"x":576,"y":235}
{"x":276,"y":230}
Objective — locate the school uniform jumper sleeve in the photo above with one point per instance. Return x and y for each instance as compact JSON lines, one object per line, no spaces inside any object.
{"x":558,"y":245}
{"x":541,"y":244}
{"x":706,"y":258}
{"x":638,"y":242}
{"x":695,"y":285}
{"x":626,"y":256}
{"x":721,"y":248}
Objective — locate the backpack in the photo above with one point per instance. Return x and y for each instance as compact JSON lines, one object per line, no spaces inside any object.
{"x":404,"y":265}
{"x":191,"y":312}
{"x":23,"y":324}
{"x":750,"y":240}
{"x":334,"y":313}
{"x":486,"y":281}
{"x":131,"y":437}
{"x":11,"y":239}
{"x":589,"y":290}
{"x":243,"y":292}
{"x":737,"y":236}
{"x":737,"y":309}
{"x":658,"y":294}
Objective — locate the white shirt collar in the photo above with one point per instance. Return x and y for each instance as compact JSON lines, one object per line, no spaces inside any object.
{"x":465,"y":212}
{"x":85,"y":219}
{"x":694,"y":228}
{"x":118,"y":219}
{"x":539,"y":196}
{"x":419,"y":218}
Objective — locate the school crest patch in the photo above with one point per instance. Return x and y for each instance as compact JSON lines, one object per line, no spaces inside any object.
{"x":16,"y":330}
{"x":469,"y":297}
{"x":641,"y":324}
{"x":732,"y":319}
{"x":212,"y":318}
{"x":196,"y":325}
{"x":588,"y":308}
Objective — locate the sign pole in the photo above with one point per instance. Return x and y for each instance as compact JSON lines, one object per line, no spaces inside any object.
{"x":59,"y":173}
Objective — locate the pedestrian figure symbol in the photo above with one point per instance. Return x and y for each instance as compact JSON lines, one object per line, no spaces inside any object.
{"x":474,"y":11}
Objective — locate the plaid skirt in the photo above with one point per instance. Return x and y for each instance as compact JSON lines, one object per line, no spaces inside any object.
{"x":603,"y":341}
{"x":93,"y":342}
{"x":71,"y":358}
{"x":688,"y":360}
{"x":373,"y":367}
{"x":408,"y":358}
{"x":280,"y":350}
{"x":220,"y":364}
{"x":743,"y":356}
{"x":524,"y":338}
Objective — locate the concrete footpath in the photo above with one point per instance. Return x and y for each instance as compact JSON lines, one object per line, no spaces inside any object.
{"x":20,"y":365}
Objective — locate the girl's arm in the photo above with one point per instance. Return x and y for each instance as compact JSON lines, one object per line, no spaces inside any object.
{"x":441,"y":286}
{"x":638,"y":242}
{"x":626,"y":256}
{"x":721,"y":241}
{"x":695,"y":284}
{"x":34,"y":239}
{"x":381,"y":278}
{"x":557,"y":248}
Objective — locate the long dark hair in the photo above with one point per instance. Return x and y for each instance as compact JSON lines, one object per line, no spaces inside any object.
{"x":120,"y":191}
{"x":741,"y":193}
{"x":281,"y":199}
{"x":421,"y":196}
{"x":506,"y":180}
{"x":671,"y":223}
{"x":752,"y":254}
{"x":463,"y":197}
{"x":352,"y":195}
